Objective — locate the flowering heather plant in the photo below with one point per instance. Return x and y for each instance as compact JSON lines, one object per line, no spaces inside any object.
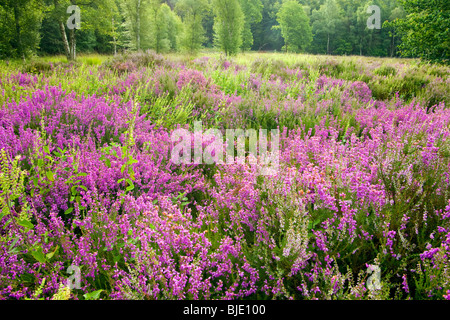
{"x":358,"y":209}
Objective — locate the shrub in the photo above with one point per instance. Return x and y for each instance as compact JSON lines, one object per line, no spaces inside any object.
{"x":385,"y":71}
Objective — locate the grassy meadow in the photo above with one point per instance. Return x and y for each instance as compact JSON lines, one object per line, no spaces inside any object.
{"x":359,"y":208}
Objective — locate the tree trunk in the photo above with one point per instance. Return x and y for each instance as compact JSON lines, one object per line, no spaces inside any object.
{"x":393,"y":45}
{"x":18,"y":35}
{"x":328,"y":44}
{"x":73,"y":45}
{"x":193,"y":34}
{"x":62,"y":29}
{"x":360,"y":46}
{"x":64,"y":38}
{"x":138,"y":25}
{"x":114,"y":37}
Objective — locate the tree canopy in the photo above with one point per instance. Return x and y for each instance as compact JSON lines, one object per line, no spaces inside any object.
{"x":411,"y":28}
{"x":294,"y":26}
{"x":425,"y":31}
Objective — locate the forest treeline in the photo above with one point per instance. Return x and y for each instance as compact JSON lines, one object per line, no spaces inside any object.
{"x":417,"y":28}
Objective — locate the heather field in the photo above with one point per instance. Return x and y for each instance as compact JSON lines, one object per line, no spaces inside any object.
{"x":94,"y":207}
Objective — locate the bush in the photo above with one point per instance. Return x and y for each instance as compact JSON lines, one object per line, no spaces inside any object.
{"x":38,"y":66}
{"x":331,"y":68}
{"x":385,"y":71}
{"x":133,"y":61}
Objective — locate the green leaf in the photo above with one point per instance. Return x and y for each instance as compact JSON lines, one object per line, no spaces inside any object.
{"x":27,"y":278}
{"x":51,"y":254}
{"x":82,"y":174}
{"x":46,"y":149}
{"x":131,"y":161}
{"x":38,"y":255}
{"x":26,"y":224}
{"x":123,"y":168}
{"x":50,"y":176}
{"x":82,"y":187}
{"x":131,"y":185}
{"x":35,"y":181}
{"x":108,"y":163}
{"x":7,"y":223}
{"x":11,"y":246}
{"x":68,"y":210}
{"x":93,"y":295}
{"x":40,"y":163}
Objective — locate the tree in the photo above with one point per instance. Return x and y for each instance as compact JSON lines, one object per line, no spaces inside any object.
{"x":265,"y":36}
{"x":90,"y":20}
{"x":192,"y":13}
{"x":252,"y":10}
{"x":326,"y":20}
{"x":294,"y":26}
{"x":19,"y":27}
{"x":134,"y":12}
{"x":396,"y":13}
{"x":174,"y":27}
{"x":158,"y":34}
{"x":425,"y":31}
{"x":228,"y":24}
{"x":361,"y":29}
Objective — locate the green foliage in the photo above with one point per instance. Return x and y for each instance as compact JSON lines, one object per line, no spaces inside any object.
{"x":159,"y":35}
{"x":252,"y":10}
{"x":136,"y":23}
{"x":339,"y":27}
{"x":228,"y":24}
{"x":294,"y":25}
{"x":12,"y":191}
{"x":385,"y":71}
{"x":425,"y":31}
{"x":326,"y":20}
{"x":192,"y":13}
{"x":20,"y":21}
{"x":168,"y":111}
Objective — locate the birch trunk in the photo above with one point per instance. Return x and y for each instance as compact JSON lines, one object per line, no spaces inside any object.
{"x":64,"y":39}
{"x":73,"y":45}
{"x":138,"y":25}
{"x":328,"y":44}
